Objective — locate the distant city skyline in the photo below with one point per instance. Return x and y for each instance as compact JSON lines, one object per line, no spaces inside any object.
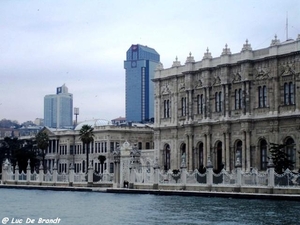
{"x":83,"y":44}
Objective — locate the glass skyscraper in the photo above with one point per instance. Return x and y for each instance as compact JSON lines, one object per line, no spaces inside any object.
{"x":58,"y":109}
{"x":141,"y":62}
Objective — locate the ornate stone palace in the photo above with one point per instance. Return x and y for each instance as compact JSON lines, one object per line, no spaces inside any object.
{"x":229,"y":108}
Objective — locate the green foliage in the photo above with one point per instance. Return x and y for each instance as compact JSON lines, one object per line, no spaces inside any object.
{"x":176,"y":171}
{"x":101,"y":159}
{"x":86,"y":135}
{"x":202,"y":169}
{"x":280,"y":158}
{"x":18,"y":152}
{"x":42,"y":140}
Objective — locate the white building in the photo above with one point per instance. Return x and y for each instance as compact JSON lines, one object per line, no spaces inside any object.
{"x":66,"y":148}
{"x":229,"y":108}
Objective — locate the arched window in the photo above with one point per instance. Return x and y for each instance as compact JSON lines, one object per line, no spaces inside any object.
{"x":263,"y":155}
{"x":290,"y":149}
{"x":183,"y":153}
{"x":201,"y":155}
{"x":239,"y":145}
{"x":167,"y":158}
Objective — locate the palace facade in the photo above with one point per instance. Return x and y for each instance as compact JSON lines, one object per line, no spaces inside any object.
{"x":66,"y":148}
{"x":229,"y":109}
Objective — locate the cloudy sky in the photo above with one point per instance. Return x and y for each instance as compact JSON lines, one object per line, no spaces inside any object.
{"x":82,"y":43}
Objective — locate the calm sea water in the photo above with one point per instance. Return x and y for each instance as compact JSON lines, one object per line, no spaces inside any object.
{"x":87,"y":208}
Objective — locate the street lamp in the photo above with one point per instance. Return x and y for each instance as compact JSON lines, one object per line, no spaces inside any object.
{"x":76,"y":113}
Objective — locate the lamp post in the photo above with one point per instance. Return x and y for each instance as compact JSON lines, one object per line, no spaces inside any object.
{"x":76,"y":113}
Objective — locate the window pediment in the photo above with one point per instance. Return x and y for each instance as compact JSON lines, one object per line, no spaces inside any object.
{"x":288,"y":69}
{"x":261,"y":73}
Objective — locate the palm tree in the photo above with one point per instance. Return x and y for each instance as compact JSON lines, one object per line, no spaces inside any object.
{"x":42,"y":141}
{"x":86,"y":135}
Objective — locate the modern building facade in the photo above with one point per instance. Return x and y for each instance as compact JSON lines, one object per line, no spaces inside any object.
{"x":58,"y":109}
{"x":228,"y":109}
{"x":140,"y":64}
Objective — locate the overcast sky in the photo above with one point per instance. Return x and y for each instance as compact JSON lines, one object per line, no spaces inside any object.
{"x":83,"y":44}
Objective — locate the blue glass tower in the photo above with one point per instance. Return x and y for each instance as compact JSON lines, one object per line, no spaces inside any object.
{"x":141,"y":62}
{"x":58,"y":109}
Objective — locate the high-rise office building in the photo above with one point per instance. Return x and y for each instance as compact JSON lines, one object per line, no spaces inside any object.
{"x":141,"y":62}
{"x":58,"y":109}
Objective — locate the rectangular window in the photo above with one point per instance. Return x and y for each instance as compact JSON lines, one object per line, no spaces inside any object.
{"x":111,"y":167}
{"x":286,"y":94}
{"x":112,"y":147}
{"x":147,"y":145}
{"x":218,"y":101}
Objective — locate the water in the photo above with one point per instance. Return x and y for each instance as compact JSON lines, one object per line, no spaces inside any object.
{"x":87,"y":208}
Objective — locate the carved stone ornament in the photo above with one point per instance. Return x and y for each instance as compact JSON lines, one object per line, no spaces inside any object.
{"x":166,"y":90}
{"x":236,"y":77}
{"x":216,"y":80}
{"x":198,"y":84}
{"x":287,"y":69}
{"x":181,"y":87}
{"x":261,"y":73}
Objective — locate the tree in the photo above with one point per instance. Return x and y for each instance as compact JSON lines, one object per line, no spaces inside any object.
{"x":102,"y":159}
{"x":280,"y":158}
{"x":86,"y":135}
{"x":18,"y":152}
{"x":42,"y":141}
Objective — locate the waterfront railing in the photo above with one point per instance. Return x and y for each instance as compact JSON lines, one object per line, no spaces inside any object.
{"x":155,"y":176}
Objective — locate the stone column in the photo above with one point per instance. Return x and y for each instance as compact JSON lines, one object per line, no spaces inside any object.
{"x":16,"y":173}
{"x":156,"y":174}
{"x":223,"y":150}
{"x":204,"y":150}
{"x":4,"y":171}
{"x":248,"y":149}
{"x":71,"y":175}
{"x":131,"y":177}
{"x":28,"y":172}
{"x":41,"y":172}
{"x":209,"y":175}
{"x":190,"y":164}
{"x":116,"y":174}
{"x":183,"y":174}
{"x":208,"y":147}
{"x":54,"y":172}
{"x":90,"y":174}
{"x":238,"y":173}
{"x":243,"y":161}
{"x":271,"y":180}
{"x":227,"y":162}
